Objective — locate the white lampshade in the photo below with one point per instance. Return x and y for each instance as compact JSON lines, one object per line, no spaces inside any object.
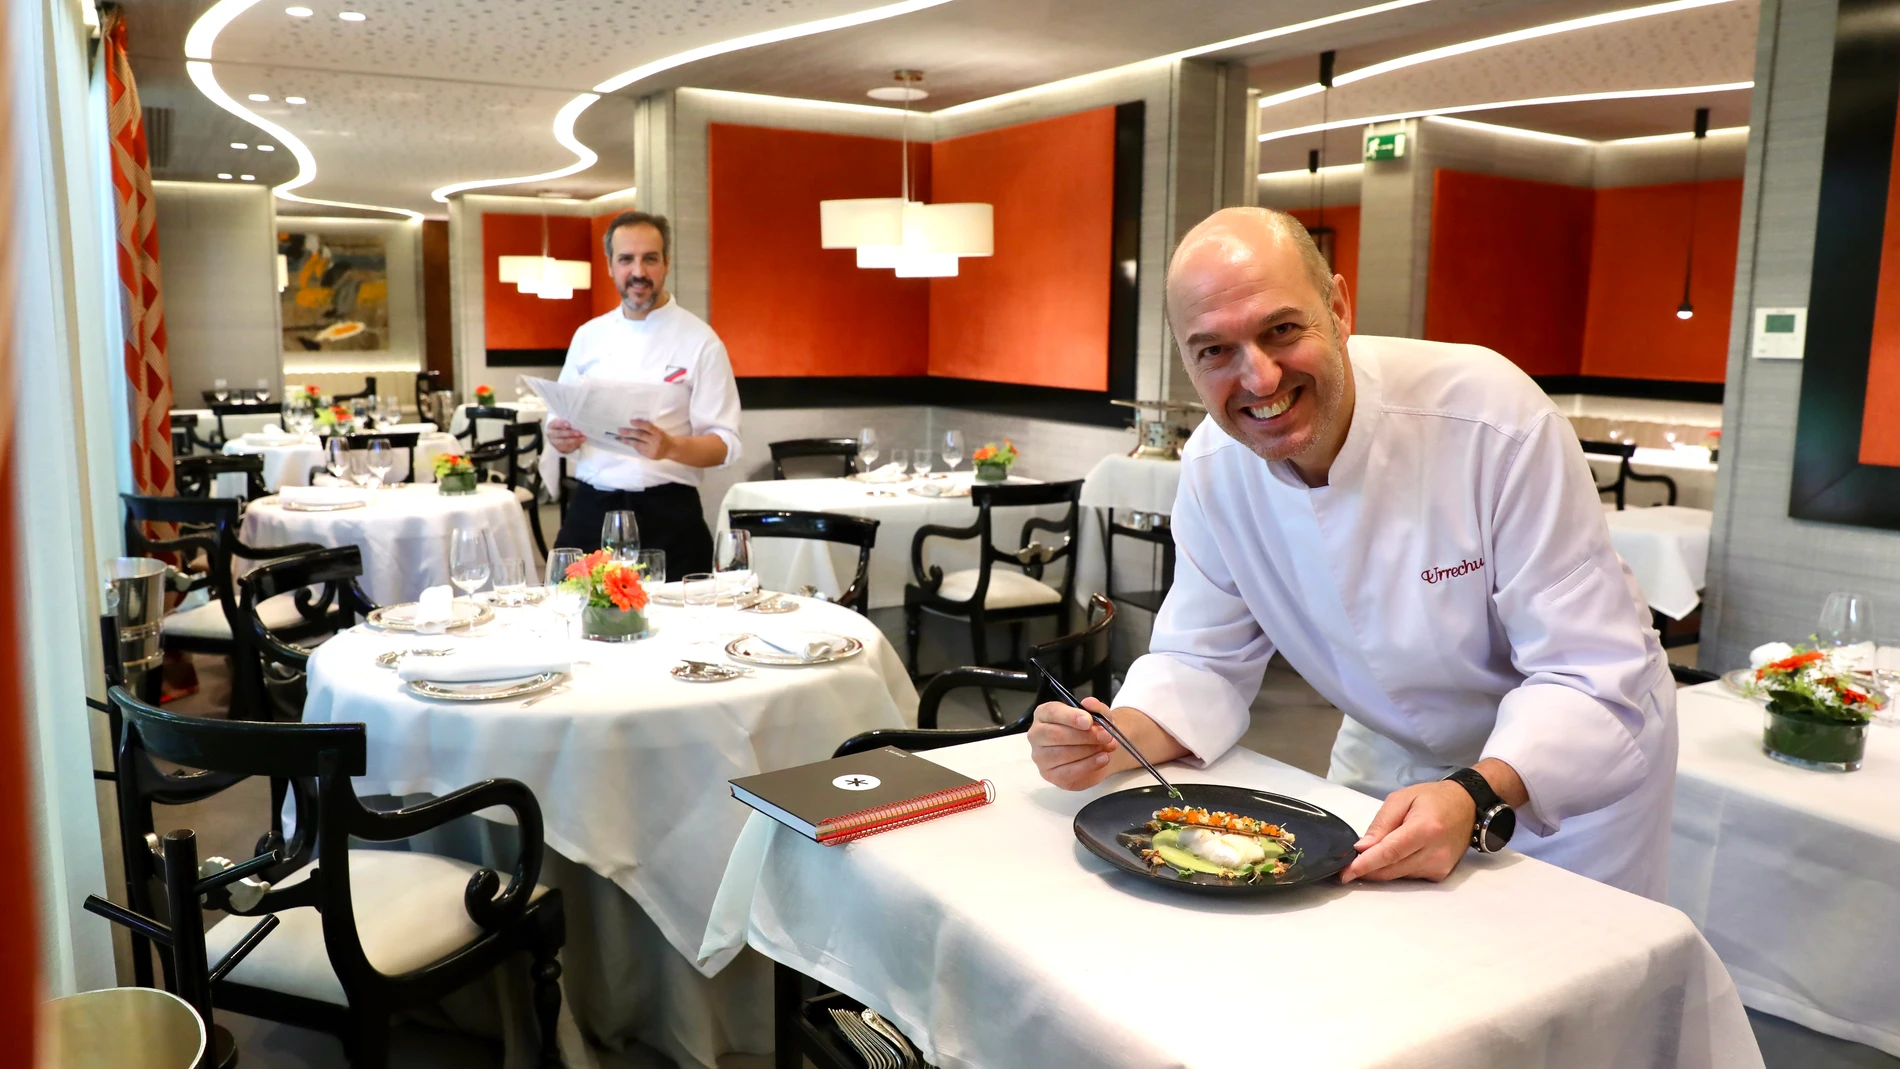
{"x":546,"y":277}
{"x":950,"y":229}
{"x":516,"y":268}
{"x":912,"y":263}
{"x":885,"y":256}
{"x":853,"y":224}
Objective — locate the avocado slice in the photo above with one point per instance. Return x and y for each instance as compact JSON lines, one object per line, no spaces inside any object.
{"x":1167,"y":843}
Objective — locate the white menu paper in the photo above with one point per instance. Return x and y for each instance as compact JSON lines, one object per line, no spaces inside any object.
{"x":599,"y":408}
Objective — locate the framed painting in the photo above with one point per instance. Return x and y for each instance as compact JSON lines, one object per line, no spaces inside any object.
{"x":1847,"y":440}
{"x":336,"y":292}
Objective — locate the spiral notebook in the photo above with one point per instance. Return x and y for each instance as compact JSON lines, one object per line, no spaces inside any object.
{"x":849,"y":798}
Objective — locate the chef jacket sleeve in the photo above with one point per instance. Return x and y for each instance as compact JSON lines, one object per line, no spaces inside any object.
{"x":1207,"y":652}
{"x":1575,"y":728}
{"x":715,"y":403}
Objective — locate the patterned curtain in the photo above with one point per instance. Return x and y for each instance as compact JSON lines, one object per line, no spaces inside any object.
{"x":147,"y":368}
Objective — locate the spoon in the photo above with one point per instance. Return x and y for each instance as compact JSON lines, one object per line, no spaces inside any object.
{"x":1108,"y":726}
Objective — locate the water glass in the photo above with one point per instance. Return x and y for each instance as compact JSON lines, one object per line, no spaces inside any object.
{"x":732,"y":551}
{"x":1847,"y":624}
{"x":263,"y":390}
{"x":468,"y":559}
{"x":952,"y":449}
{"x":867,"y":448}
{"x":699,"y":592}
{"x":620,"y":535}
{"x":901,"y":458}
{"x":511,"y":580}
{"x":381,"y":459}
{"x":921,"y":461}
{"x":337,"y":457}
{"x":359,"y":469}
{"x":652,"y":565}
{"x":564,"y":603}
{"x":220,"y":390}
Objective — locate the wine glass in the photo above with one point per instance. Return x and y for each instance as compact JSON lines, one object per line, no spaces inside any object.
{"x":901,"y":458}
{"x":359,"y":468}
{"x":620,"y":534}
{"x":263,"y":390}
{"x":652,"y":565}
{"x":220,"y":390}
{"x":1847,"y":625}
{"x":699,"y":592}
{"x":867,"y":448}
{"x":921,"y":462}
{"x":381,"y":459}
{"x":564,"y":603}
{"x":468,"y":559}
{"x":732,"y":560}
{"x":511,"y":580}
{"x":952,"y":449}
{"x":338,"y":456}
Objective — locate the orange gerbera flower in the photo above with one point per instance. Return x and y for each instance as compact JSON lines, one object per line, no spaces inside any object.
{"x":623,"y":587}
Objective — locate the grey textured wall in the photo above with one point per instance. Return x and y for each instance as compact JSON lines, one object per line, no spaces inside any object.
{"x":1767,"y":572}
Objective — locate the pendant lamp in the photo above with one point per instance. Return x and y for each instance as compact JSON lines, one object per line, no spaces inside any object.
{"x":544,"y":276}
{"x":914,"y":239}
{"x":1686,"y":310}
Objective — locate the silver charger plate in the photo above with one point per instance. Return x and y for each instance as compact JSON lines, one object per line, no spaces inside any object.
{"x":941,"y":491}
{"x":743,"y":600}
{"x":704,"y":672}
{"x":772,"y":604}
{"x":393,"y":657}
{"x":533,"y":595}
{"x":340,"y":506}
{"x":748,"y":649}
{"x":486,"y":691}
{"x":463,"y":613}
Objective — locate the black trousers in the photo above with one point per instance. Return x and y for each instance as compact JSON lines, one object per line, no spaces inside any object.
{"x":669,"y":516}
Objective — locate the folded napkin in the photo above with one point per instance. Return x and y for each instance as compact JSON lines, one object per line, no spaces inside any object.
{"x":889,"y":473}
{"x":435,"y":609}
{"x":810,"y":650}
{"x":270,"y":435}
{"x":322,"y":495}
{"x":1768,"y":652}
{"x":487,"y":659}
{"x":404,"y":428}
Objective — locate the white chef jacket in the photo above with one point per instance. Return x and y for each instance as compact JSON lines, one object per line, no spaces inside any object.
{"x":1452,"y":590}
{"x":671,"y":345}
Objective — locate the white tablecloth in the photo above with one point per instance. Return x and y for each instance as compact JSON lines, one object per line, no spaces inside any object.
{"x":289,"y":464}
{"x":404,"y":533}
{"x":793,"y":563}
{"x":993,"y":939}
{"x":1139,"y":483}
{"x":1668,"y":550}
{"x":1690,"y":468}
{"x":630,"y":768}
{"x":1793,"y":876}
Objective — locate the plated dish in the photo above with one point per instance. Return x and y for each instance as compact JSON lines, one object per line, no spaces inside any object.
{"x":336,"y":506}
{"x":462,"y":613}
{"x":1218,"y":840}
{"x":751,"y":649}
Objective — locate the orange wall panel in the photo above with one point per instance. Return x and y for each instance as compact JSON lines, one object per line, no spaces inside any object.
{"x":1036,"y":313}
{"x":1639,"y":248}
{"x":1344,"y":221}
{"x":516,"y":320}
{"x":1879,"y":432}
{"x":784,"y":306}
{"x":603,"y":297}
{"x":1510,"y":268}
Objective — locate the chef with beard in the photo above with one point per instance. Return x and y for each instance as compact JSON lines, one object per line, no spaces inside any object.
{"x":1413,"y":525}
{"x":649,"y":338}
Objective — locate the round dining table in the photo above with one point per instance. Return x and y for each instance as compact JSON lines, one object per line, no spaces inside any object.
{"x":403,"y":532}
{"x":288,"y":458}
{"x":629,"y":765}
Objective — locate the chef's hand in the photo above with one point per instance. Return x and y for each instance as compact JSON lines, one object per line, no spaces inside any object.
{"x":652,"y":442}
{"x":1424,"y":830}
{"x":1075,"y":753}
{"x":563,"y":437}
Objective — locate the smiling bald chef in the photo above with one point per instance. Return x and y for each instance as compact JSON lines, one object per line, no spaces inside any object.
{"x":1413,"y":525}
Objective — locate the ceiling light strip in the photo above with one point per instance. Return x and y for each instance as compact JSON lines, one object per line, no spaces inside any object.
{"x":563,"y":132}
{"x":1510,"y":131}
{"x":1574,"y":98}
{"x":801,"y":102}
{"x":1515,"y":36}
{"x":1686,"y":135}
{"x":1299,"y":27}
{"x":1337,"y":169}
{"x":1291,"y":95}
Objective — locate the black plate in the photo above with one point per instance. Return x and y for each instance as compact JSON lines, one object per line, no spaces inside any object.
{"x":1114,"y":828}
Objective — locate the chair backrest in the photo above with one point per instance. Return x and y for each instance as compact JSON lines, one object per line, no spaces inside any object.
{"x":369,"y":390}
{"x":187,"y":526}
{"x":470,"y":432}
{"x":324,"y":586}
{"x":846,"y":449}
{"x":823,"y":526}
{"x":1031,"y":555}
{"x":405,"y":440}
{"x":198,"y":475}
{"x":243,"y":408}
{"x":1082,"y":657}
{"x":1623,"y":451}
{"x":520,"y":449}
{"x":185,"y":433}
{"x":427,"y":383}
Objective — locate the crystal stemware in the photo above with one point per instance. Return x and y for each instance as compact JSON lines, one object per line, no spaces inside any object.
{"x":263,"y":390}
{"x":952,"y":449}
{"x":220,"y":390}
{"x":468,"y":559}
{"x":381,"y":459}
{"x":921,"y":461}
{"x":1847,"y":625}
{"x":564,"y":603}
{"x":867,"y":448}
{"x":620,"y":534}
{"x":337,"y":456}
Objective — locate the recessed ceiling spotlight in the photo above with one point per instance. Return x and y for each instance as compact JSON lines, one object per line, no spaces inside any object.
{"x":351,"y":16}
{"x":261,"y":98}
{"x":247,"y":178}
{"x":299,"y":12}
{"x":239,"y":144}
{"x":224,"y":176}
{"x":267,"y":148}
{"x":898,"y":94}
{"x":295,"y":100}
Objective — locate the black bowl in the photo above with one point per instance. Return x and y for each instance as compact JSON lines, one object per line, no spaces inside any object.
{"x":1114,"y":828}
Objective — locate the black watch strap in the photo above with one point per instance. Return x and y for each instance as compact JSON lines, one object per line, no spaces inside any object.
{"x":1495,"y":821}
{"x":1478,"y":788}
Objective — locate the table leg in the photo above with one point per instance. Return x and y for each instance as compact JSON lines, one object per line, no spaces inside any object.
{"x":788,"y":1052}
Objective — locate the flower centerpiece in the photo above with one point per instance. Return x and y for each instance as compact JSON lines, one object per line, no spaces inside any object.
{"x":308,"y":398}
{"x":335,"y":418}
{"x":454,"y":473}
{"x":485,"y":396}
{"x":1714,"y":441}
{"x":615,"y":609}
{"x":1817,"y":712}
{"x":993,"y":461}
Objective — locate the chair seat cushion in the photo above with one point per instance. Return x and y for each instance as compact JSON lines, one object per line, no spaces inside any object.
{"x":409,"y":914}
{"x":207,"y":620}
{"x":524,"y":495}
{"x":1008,"y":589}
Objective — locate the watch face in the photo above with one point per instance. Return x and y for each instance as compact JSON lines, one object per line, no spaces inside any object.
{"x":1498,"y":829}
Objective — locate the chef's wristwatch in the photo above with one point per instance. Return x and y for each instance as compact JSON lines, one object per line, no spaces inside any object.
{"x":1496,"y":821}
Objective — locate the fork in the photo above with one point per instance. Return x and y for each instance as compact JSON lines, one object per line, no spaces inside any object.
{"x":873,"y":1048}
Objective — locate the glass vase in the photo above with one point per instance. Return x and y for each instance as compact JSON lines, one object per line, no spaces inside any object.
{"x":604,"y":623}
{"x":1816,"y":745}
{"x":457,"y":482}
{"x":989,"y":472}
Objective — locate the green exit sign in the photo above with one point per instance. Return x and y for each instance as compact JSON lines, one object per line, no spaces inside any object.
{"x":1385,"y":146}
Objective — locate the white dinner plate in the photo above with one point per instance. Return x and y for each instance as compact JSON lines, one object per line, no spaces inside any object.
{"x":462,"y":612}
{"x":339,"y":506}
{"x":749,"y":649}
{"x":488,"y":690}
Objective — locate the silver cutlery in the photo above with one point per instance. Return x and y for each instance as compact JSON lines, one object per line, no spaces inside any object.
{"x":907,"y":1053}
{"x":871,"y":1045}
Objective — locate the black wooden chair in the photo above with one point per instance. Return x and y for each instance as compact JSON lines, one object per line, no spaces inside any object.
{"x":1618,"y":488}
{"x":243,"y":408}
{"x":198,"y":476}
{"x":845,"y":449}
{"x":515,"y":461}
{"x":822,"y":526}
{"x":322,"y":585}
{"x":1080,"y":661}
{"x":364,"y":934}
{"x":403,"y":440}
{"x":368,"y":391}
{"x":427,"y":383}
{"x":185,"y":437}
{"x":474,"y":446}
{"x":985,"y":594}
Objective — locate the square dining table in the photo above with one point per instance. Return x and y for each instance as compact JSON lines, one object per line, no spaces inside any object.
{"x":991,"y":938}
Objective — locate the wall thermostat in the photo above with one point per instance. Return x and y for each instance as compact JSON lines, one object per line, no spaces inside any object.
{"x":1780,"y":333}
